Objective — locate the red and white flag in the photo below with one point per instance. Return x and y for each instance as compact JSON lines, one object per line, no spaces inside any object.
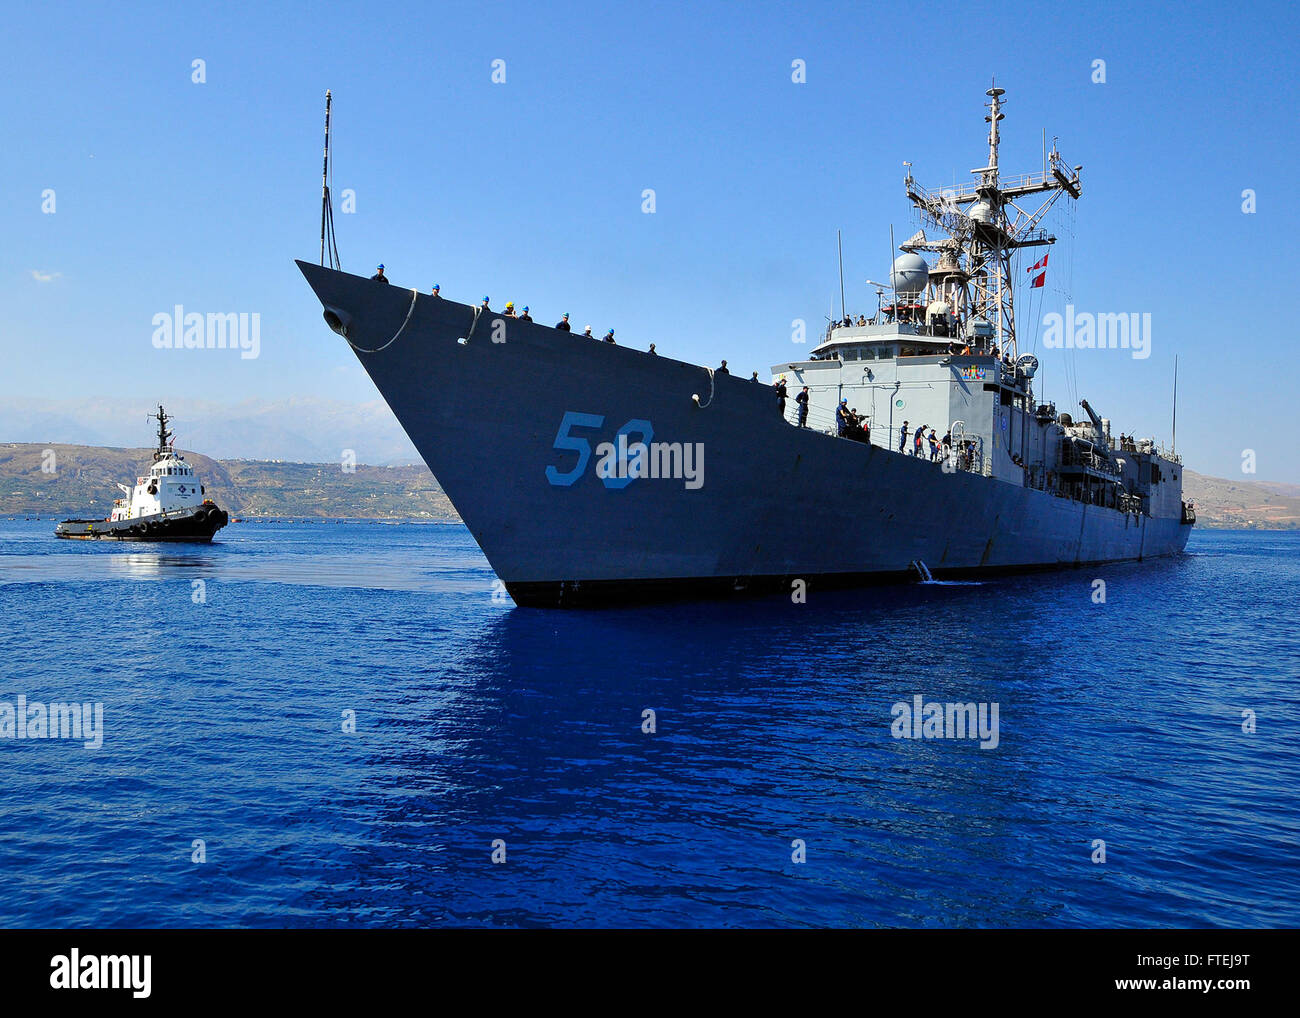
{"x":1042,"y":276}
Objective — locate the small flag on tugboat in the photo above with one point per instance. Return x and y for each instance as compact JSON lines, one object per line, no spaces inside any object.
{"x":1040,"y":264}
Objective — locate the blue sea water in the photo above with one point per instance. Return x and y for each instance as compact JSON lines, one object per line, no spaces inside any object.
{"x":1119,"y":721}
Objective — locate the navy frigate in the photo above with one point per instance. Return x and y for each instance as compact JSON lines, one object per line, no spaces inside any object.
{"x":166,"y":504}
{"x":592,"y":474}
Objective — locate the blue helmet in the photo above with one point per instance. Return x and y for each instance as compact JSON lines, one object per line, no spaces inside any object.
{"x":485,"y":300}
{"x":381,"y":266}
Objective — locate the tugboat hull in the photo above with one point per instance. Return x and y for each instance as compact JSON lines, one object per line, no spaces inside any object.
{"x":196,"y":526}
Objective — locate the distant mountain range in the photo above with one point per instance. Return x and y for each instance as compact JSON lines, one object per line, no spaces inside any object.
{"x":1262,"y":505}
{"x":84,"y":481}
{"x":296,"y":430}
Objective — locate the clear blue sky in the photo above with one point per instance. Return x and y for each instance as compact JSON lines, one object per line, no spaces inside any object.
{"x":202,"y":194}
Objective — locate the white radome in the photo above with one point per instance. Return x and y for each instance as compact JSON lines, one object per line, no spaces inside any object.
{"x":910,"y":273}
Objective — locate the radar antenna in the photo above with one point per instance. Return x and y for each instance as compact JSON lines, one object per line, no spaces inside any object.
{"x":987,"y":221}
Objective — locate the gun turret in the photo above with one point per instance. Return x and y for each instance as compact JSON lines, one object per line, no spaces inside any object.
{"x":1100,"y":430}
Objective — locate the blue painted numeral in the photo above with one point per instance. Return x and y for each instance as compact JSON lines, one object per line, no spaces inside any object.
{"x":571,"y":443}
{"x":646,"y":433}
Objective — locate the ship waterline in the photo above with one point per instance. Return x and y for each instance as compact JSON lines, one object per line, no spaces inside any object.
{"x":508,"y":416}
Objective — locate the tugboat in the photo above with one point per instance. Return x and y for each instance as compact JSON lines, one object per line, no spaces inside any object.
{"x":165,"y":505}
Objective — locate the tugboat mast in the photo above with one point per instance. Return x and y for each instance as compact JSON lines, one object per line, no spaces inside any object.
{"x":164,"y":436}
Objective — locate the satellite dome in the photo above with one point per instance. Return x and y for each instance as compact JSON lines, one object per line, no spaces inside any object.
{"x":910,"y":273}
{"x":937,"y":309}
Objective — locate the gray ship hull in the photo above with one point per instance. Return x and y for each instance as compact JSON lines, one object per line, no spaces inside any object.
{"x":776,"y":503}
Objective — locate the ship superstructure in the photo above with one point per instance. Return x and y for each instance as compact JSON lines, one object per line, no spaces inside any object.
{"x":941,"y":353}
{"x":591,"y":473}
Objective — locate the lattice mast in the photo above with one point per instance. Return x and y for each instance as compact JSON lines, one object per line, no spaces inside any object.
{"x":986,"y":224}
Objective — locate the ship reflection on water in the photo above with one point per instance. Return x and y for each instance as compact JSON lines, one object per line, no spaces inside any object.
{"x":303,"y":562}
